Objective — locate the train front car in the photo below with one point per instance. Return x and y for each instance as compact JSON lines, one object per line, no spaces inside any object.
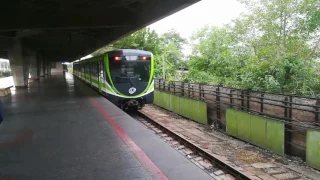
{"x":130,"y":75}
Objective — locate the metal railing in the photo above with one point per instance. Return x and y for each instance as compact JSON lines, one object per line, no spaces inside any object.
{"x":297,"y":113}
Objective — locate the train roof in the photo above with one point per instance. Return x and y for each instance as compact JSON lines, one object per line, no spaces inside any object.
{"x":129,"y":52}
{"x":119,"y":52}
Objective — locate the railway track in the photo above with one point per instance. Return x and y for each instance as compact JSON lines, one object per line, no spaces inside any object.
{"x":217,"y":168}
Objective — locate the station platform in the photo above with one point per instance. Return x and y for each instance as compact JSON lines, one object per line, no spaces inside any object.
{"x":61,"y":129}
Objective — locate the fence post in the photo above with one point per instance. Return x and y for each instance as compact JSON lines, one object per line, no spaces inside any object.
{"x":230,"y":98}
{"x":242,"y":100}
{"x":317,"y":115}
{"x":218,"y":107}
{"x":261,"y":104}
{"x":164,"y":85}
{"x":248,"y":100}
{"x":290,"y":109}
{"x":203,"y":92}
{"x":174,"y":87}
{"x":199,"y":91}
{"x":288,"y":127}
{"x":182,"y":89}
{"x":169,"y":87}
{"x":189,"y":90}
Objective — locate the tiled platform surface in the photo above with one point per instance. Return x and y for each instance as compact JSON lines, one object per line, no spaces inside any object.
{"x":54,"y":130}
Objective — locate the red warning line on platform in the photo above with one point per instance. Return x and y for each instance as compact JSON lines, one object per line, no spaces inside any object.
{"x":7,"y":177}
{"x":140,"y":155}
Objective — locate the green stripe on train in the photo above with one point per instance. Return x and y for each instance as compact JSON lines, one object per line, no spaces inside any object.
{"x":117,"y":91}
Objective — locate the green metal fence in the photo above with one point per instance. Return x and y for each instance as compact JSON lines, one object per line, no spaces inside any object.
{"x":284,"y":124}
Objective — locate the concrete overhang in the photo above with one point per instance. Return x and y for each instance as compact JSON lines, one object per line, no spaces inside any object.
{"x":67,"y":30}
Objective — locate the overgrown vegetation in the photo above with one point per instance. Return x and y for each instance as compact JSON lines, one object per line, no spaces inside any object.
{"x":273,"y":48}
{"x":5,"y":73}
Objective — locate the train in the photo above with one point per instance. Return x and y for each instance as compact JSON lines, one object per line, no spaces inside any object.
{"x":123,"y":76}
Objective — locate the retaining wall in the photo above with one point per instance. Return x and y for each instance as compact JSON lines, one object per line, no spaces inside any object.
{"x":261,"y":131}
{"x":265,"y":132}
{"x":190,"y":108}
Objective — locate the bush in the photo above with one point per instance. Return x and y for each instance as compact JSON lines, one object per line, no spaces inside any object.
{"x":5,"y":73}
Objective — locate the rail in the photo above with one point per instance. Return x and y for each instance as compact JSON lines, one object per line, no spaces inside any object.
{"x":214,"y":159}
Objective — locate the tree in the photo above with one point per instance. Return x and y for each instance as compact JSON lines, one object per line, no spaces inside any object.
{"x":171,"y":45}
{"x":271,"y":48}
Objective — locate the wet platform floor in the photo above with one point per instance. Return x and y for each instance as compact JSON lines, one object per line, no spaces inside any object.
{"x":59,"y":128}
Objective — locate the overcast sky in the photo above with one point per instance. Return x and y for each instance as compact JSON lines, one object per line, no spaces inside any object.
{"x":211,"y":12}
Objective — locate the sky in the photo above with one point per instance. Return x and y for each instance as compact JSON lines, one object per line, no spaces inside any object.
{"x":205,"y":12}
{"x":192,"y":18}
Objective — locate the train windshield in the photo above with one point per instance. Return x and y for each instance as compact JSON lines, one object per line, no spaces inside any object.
{"x":130,"y":71}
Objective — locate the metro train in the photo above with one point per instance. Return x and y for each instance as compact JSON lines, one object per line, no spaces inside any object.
{"x":123,"y":76}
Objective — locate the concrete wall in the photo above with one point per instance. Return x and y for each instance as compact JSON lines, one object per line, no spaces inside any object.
{"x":262,"y":131}
{"x":193,"y":109}
{"x":313,"y":148}
{"x":56,"y":67}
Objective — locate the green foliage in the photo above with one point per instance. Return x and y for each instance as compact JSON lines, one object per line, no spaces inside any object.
{"x":5,"y":73}
{"x":267,"y":49}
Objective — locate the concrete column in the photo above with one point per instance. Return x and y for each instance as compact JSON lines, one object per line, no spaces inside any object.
{"x":34,"y":72}
{"x":41,"y":63}
{"x":19,"y":64}
{"x":38,"y":66}
{"x":45,"y":66}
{"x":49,"y":68}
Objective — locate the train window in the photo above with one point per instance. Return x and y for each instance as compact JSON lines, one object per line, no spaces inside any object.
{"x":94,"y":68}
{"x":87,"y":68}
{"x":101,"y":69}
{"x":130,"y":71}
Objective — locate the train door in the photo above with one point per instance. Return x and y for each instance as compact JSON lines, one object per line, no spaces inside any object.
{"x":101,"y":76}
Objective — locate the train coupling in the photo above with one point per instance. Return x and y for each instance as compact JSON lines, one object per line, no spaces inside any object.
{"x":133,"y":102}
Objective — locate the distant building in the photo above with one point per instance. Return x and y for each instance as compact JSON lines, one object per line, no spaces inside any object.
{"x":56,"y":67}
{"x":4,"y":65}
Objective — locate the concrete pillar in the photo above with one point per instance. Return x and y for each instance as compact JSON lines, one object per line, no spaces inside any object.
{"x":41,"y":63}
{"x":38,"y":66}
{"x":49,"y":68}
{"x":45,"y":67}
{"x":19,"y":64}
{"x":34,"y":72}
